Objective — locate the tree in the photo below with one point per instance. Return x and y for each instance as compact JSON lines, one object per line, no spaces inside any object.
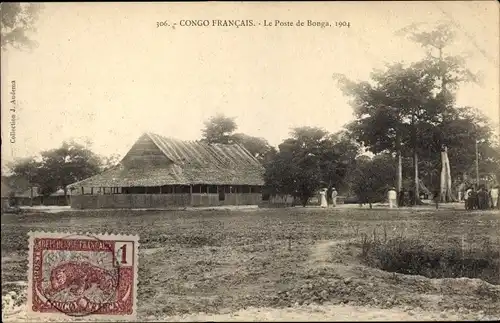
{"x":24,"y":173}
{"x":109,"y":161}
{"x":298,"y":163}
{"x":219,"y":129}
{"x":17,"y":19}
{"x":447,"y":71}
{"x":24,"y":170}
{"x":68,"y":164}
{"x":338,"y":159}
{"x":372,"y":177}
{"x":257,"y":147}
{"x":310,"y":159}
{"x":59,"y":167}
{"x":389,"y":110}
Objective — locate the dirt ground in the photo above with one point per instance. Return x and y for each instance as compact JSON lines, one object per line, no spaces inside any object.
{"x":270,"y":264}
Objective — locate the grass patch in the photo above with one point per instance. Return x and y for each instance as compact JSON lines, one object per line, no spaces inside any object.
{"x":453,"y":258}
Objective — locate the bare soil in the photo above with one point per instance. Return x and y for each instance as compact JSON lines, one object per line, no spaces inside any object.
{"x":270,"y":264}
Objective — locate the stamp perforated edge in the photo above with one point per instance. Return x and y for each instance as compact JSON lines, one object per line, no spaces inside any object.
{"x":103,"y":236}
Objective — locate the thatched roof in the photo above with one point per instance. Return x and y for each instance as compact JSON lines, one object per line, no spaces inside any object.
{"x":59,"y":192}
{"x":156,"y":161}
{"x":27,"y":193}
{"x":18,"y":187}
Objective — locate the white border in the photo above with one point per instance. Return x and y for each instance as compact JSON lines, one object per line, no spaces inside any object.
{"x":89,"y":236}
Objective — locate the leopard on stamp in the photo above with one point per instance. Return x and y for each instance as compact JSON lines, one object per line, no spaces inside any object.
{"x":82,"y":274}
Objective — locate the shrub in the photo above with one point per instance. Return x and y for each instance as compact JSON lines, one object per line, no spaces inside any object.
{"x":415,"y":257}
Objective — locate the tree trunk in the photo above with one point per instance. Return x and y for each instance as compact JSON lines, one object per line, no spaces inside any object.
{"x":66,"y":195}
{"x":449,"y":194}
{"x":445,"y":185}
{"x":399,"y":172}
{"x":417,"y":189}
{"x":443,"y":182}
{"x":304,"y":200}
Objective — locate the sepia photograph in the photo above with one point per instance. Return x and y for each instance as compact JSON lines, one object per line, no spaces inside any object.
{"x":250,"y":161}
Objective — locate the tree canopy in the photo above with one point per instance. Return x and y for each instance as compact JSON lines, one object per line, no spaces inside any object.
{"x":311,"y":158}
{"x":17,"y":20}
{"x":57,"y":168}
{"x":373,"y":177}
{"x":220,"y":129}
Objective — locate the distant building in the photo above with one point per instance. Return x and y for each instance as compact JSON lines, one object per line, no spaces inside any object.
{"x":28,"y":197}
{"x":20,"y":191}
{"x":161,"y":172}
{"x":6,"y":193}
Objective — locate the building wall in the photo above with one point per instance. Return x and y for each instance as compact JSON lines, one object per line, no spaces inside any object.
{"x":140,"y":201}
{"x":5,"y":203}
{"x":41,"y":200}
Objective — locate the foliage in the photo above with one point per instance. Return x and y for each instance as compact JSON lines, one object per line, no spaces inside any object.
{"x":412,"y":109}
{"x":448,"y":71}
{"x":257,"y":147}
{"x":373,"y":178}
{"x":459,"y":131}
{"x":110,"y":161}
{"x":310,"y":159}
{"x":453,"y":259}
{"x":391,"y":108}
{"x":220,"y":129}
{"x":58,"y":167}
{"x":17,"y":19}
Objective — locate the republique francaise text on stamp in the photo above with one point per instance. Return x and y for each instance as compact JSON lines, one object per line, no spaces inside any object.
{"x":82,"y":274}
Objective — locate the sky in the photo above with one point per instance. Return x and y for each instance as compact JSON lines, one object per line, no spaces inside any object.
{"x":106,"y":72}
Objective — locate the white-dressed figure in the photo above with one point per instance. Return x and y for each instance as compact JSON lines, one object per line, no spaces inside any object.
{"x":460,"y":196}
{"x":334,"y":197}
{"x":392,"y":197}
{"x":322,"y":195}
{"x":494,"y":196}
{"x":467,"y":194}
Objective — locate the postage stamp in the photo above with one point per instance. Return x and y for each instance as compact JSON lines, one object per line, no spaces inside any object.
{"x":74,"y":274}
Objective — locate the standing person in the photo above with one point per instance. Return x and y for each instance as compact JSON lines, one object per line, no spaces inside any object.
{"x":401,"y":198}
{"x":470,"y":198}
{"x":435,"y":197}
{"x":467,"y":196}
{"x":474,"y":199}
{"x":494,"y":197}
{"x":487,"y":198}
{"x":322,"y":194}
{"x":392,"y":197}
{"x":482,"y":197}
{"x":334,"y":197}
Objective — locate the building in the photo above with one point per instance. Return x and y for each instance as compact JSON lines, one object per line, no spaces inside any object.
{"x":161,"y":172}
{"x":6,"y":194}
{"x":29,"y":197}
{"x":20,"y":191}
{"x":58,"y":198}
